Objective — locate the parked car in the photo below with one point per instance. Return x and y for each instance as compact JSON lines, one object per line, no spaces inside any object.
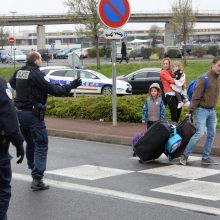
{"x":9,"y":56}
{"x":4,"y":55}
{"x":45,"y":54}
{"x":92,"y":81}
{"x":141,"y":79}
{"x":188,"y":47}
{"x":57,"y":53}
{"x":47,"y":69}
{"x":64,"y":54}
{"x":178,"y":52}
{"x":82,"y":53}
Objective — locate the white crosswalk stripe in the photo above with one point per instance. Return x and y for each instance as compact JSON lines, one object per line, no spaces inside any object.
{"x":194,"y":189}
{"x":89,"y":172}
{"x":185,"y":172}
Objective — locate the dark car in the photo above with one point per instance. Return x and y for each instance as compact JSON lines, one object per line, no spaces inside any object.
{"x":172,"y":52}
{"x":141,"y":80}
{"x":45,"y":54}
{"x":4,"y":55}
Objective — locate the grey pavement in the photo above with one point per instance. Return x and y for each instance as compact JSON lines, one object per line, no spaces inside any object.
{"x":105,"y":132}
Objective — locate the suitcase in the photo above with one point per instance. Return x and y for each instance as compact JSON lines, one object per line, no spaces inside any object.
{"x":186,"y":129}
{"x":152,"y":144}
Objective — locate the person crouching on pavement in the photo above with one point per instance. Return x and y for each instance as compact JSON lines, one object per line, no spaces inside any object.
{"x":32,"y":88}
{"x":203,"y":105}
{"x":154,"y":108}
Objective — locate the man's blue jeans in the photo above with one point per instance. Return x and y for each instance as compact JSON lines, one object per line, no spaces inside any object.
{"x":36,"y":137}
{"x":204,"y":118}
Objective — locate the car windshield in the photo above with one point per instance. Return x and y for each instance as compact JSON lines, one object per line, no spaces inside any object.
{"x":151,"y":73}
{"x":18,"y":52}
{"x":134,"y":73}
{"x":4,"y":52}
{"x":99,"y":75}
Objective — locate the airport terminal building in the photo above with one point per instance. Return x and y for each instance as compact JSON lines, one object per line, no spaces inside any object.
{"x":63,"y":39}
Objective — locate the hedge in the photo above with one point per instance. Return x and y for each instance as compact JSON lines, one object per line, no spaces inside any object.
{"x":129,"y":108}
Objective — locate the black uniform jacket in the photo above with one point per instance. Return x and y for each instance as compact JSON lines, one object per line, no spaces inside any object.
{"x":40,"y":86}
{"x":8,"y":118}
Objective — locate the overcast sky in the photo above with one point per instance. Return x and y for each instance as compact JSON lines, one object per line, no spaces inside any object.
{"x":58,"y":6}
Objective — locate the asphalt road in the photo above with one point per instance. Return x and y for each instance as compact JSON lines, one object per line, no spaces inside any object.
{"x":92,"y":181}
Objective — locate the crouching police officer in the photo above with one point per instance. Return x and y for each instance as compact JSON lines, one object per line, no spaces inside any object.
{"x":32,"y":88}
{"x":9,"y":132}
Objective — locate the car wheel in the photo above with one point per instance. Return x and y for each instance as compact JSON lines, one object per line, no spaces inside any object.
{"x":107,"y":90}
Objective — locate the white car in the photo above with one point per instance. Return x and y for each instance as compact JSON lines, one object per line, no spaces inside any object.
{"x":17,"y":56}
{"x":92,"y":81}
{"x":47,"y":69}
{"x":82,"y":53}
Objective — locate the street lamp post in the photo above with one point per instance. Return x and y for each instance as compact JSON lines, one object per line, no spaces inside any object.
{"x":13,"y":14}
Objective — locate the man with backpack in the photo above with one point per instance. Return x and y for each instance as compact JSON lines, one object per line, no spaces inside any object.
{"x":203,"y":104}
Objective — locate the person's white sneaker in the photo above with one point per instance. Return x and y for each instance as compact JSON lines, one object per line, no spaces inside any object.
{"x":183,"y":160}
{"x":180,"y":105}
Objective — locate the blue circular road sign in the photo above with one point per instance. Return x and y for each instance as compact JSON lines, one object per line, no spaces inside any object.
{"x":114,"y":13}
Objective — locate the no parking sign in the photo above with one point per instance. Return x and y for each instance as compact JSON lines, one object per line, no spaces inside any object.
{"x":114,"y":13}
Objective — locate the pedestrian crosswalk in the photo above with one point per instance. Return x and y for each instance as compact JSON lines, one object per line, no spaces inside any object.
{"x":192,"y":180}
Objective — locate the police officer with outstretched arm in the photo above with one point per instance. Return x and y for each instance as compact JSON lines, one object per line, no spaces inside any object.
{"x":9,"y":132}
{"x":32,"y":88}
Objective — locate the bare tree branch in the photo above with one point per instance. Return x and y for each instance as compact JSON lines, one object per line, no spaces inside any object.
{"x":183,"y":20}
{"x":4,"y":33}
{"x":86,"y":10}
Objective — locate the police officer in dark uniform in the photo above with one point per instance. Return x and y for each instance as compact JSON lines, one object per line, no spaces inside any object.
{"x":9,"y":132}
{"x":32,"y":88}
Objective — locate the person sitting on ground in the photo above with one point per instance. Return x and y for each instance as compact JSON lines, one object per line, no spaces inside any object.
{"x":153,"y":109}
{"x":180,"y":84}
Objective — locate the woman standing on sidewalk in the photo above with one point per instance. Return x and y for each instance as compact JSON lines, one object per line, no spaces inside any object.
{"x":167,"y":80}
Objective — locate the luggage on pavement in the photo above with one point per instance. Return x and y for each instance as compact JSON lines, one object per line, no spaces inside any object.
{"x":186,"y":129}
{"x":136,"y":138}
{"x":152,"y":144}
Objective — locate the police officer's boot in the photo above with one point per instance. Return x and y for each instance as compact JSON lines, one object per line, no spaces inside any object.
{"x":38,"y":184}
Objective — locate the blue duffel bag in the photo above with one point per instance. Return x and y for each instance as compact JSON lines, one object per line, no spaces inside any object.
{"x":173,"y":142}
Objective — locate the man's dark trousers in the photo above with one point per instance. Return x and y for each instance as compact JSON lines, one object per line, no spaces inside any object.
{"x":5,"y":187}
{"x":36,"y":137}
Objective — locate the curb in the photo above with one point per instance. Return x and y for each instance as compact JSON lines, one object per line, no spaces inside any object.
{"x":113,"y":139}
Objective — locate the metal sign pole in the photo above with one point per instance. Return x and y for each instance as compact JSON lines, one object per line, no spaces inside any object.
{"x":114,"y":96}
{"x":14,"y":57}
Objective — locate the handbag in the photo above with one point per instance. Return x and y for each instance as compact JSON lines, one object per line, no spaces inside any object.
{"x":135,"y":140}
{"x":173,"y":142}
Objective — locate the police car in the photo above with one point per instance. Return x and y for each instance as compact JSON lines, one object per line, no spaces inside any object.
{"x":92,"y":81}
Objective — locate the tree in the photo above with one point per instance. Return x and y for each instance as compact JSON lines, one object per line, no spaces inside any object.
{"x":4,"y":34}
{"x":153,"y":34}
{"x":90,"y":22}
{"x":183,"y":21}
